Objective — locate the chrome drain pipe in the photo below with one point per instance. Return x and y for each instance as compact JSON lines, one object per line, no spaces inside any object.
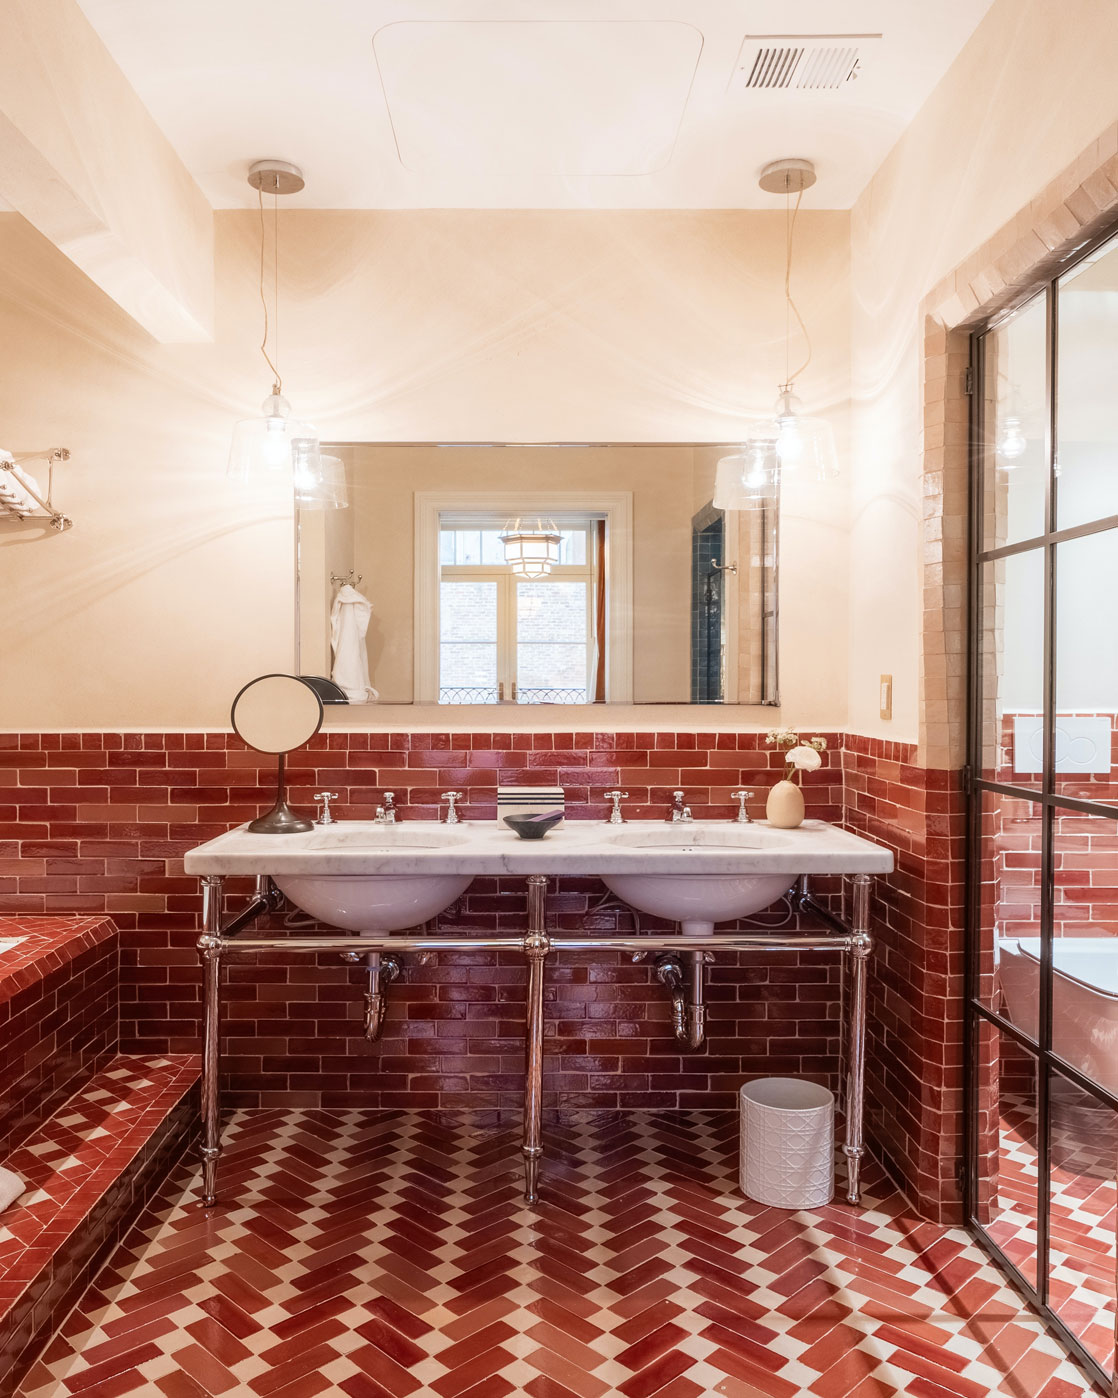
{"x":670,"y":974}
{"x":688,"y":1002}
{"x":696,"y":1005}
{"x":383,"y":970}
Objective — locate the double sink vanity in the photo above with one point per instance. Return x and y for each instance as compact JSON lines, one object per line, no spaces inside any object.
{"x":369,"y":890}
{"x":379,"y":882}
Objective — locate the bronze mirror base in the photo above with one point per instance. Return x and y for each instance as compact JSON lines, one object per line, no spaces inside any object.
{"x":280,"y":820}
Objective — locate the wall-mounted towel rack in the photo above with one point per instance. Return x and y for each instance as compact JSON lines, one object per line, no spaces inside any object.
{"x":346,"y":580}
{"x":20,"y":495}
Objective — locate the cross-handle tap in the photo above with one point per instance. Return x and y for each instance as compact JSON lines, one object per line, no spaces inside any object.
{"x":679,"y":810}
{"x":741,"y":797}
{"x":325,"y":816}
{"x":615,"y":816}
{"x":386,"y":814}
{"x":452,"y":798}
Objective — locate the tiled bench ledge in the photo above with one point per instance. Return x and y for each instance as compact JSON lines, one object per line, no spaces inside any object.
{"x":59,"y":1012}
{"x":43,"y":945}
{"x":90,"y":1169}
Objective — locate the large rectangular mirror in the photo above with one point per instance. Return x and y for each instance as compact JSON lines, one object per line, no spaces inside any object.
{"x":529,"y":574}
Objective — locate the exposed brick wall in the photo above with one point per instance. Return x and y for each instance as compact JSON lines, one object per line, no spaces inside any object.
{"x":99,"y":822}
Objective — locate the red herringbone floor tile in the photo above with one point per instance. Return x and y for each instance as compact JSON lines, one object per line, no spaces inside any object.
{"x":658,"y":1374}
{"x":759,"y":1376}
{"x":392,"y":1257}
{"x":543,"y":1387}
{"x":682,"y":1387}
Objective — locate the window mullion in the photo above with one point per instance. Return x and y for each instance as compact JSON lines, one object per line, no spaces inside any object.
{"x":592,"y":639}
{"x":1048,"y":761}
{"x":507,"y":633}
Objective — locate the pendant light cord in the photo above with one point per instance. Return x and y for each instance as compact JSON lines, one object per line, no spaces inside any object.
{"x":790,"y":307}
{"x":275,"y":291}
{"x":275,"y":278}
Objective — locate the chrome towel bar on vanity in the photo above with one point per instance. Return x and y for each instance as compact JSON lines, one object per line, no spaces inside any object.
{"x":221,"y":939}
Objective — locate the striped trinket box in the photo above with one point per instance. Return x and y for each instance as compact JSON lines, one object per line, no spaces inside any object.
{"x":529,"y":800}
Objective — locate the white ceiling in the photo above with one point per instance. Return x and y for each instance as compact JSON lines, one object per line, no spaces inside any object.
{"x":494,"y":98}
{"x":521,"y":103}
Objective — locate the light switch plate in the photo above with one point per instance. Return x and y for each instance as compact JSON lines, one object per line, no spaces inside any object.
{"x":886,"y":696}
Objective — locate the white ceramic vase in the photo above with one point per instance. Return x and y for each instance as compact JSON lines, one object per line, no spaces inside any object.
{"x":785,"y":807}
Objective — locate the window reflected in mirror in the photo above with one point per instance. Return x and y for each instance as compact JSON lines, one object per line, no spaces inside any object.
{"x":529,"y":640}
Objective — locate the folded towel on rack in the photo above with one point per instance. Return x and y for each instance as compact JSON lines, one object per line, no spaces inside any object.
{"x":349,"y":621}
{"x":11,"y":1187}
{"x":14,"y":497}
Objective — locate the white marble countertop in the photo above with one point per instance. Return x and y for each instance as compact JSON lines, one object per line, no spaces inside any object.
{"x":578,"y":848}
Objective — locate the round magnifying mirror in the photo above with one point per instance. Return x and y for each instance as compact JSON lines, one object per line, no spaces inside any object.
{"x":276,"y":714}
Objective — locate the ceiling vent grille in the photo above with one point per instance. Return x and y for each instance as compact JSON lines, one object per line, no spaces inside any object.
{"x":802,"y":62}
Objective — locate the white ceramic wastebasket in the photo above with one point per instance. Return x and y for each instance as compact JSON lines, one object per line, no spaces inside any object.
{"x":787,"y":1143}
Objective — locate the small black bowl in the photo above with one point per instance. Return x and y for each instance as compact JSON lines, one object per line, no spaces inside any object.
{"x":533,"y":827}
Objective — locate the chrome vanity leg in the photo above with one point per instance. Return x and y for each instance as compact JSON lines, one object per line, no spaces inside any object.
{"x":861,"y":944}
{"x":209,"y":946}
{"x":536,"y":948}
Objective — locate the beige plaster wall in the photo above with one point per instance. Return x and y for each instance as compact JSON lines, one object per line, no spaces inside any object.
{"x":1032,"y":88}
{"x":82,"y":160}
{"x":171,"y":590}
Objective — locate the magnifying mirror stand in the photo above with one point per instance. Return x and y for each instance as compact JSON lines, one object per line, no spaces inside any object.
{"x":281,"y":819}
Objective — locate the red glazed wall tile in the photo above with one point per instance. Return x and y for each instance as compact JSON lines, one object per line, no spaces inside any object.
{"x":98,"y":823}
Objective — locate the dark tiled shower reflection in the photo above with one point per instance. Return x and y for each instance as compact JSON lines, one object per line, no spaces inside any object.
{"x":707,"y":594}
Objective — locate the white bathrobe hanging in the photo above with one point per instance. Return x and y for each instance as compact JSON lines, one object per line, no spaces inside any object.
{"x":349,"y":621}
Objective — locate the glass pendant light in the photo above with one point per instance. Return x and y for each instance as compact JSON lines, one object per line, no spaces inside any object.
{"x":1012,"y":443}
{"x":795,"y":439}
{"x":262,"y":446}
{"x":1013,"y":433}
{"x":803,"y":442}
{"x":320,"y":482}
{"x":267,"y":447}
{"x":747,"y":476}
{"x":531,"y":553}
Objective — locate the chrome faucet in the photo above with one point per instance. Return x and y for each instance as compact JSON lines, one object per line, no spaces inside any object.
{"x":679,"y":810}
{"x":386,"y":814}
{"x":741,"y":797}
{"x":452,"y":798}
{"x":615,"y":817}
{"x":325,"y":816}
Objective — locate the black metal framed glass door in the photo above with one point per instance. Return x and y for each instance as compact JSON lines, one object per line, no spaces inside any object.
{"x":1042,"y":945}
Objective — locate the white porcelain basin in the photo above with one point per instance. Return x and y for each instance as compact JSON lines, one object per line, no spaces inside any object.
{"x":375,"y":902}
{"x":368,"y":877}
{"x":698,"y":901}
